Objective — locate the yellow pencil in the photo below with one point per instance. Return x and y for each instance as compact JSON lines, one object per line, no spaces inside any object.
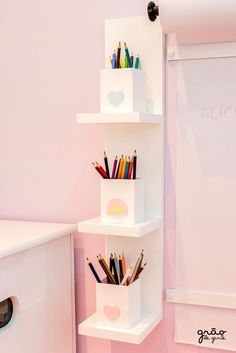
{"x":122,"y":64}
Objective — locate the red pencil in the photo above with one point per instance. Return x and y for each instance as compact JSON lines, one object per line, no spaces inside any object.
{"x":114,"y":168}
{"x":98,"y":170}
{"x":130,"y":168}
{"x":102,"y":170}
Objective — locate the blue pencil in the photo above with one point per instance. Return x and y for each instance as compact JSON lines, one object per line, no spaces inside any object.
{"x":114,"y":60}
{"x":127,"y":55}
{"x":127,"y":169}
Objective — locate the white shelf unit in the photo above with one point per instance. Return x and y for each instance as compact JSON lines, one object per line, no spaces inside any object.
{"x":145,"y":133}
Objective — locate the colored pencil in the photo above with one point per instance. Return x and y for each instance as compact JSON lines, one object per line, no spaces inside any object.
{"x":122,"y":64}
{"x":117,"y":267}
{"x":126,"y":62}
{"x":101,"y":170}
{"x":114,"y":168}
{"x":127,"y":55}
{"x":106,"y":266}
{"x":106,"y":165}
{"x":127,"y":168}
{"x":118,"y":56}
{"x":110,"y":59}
{"x":121,"y":269}
{"x":106,"y":269}
{"x":110,"y":264}
{"x":98,"y":170}
{"x":115,"y":274}
{"x":137,"y":265}
{"x":132,"y":59}
{"x":114,"y":60}
{"x":130,"y":168}
{"x":118,"y":168}
{"x":135,"y":165}
{"x":137,"y":62}
{"x":123,"y":263}
{"x":127,"y":274}
{"x":94,"y":271}
{"x":123,"y":168}
{"x":141,"y":268}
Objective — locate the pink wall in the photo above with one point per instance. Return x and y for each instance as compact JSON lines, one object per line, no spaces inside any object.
{"x":51,"y":53}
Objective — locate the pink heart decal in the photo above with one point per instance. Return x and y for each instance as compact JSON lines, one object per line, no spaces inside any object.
{"x":111,"y":312}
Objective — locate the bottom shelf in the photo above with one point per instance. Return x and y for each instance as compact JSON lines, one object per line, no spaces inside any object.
{"x":136,"y":334}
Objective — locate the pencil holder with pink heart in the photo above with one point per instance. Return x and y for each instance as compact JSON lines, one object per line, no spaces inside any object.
{"x":118,"y":306}
{"x":122,"y":91}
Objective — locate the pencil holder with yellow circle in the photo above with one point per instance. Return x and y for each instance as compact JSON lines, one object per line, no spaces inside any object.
{"x":122,"y":201}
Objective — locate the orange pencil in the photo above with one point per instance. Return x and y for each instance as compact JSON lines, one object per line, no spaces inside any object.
{"x":130,"y":168}
{"x":123,"y":168}
{"x":123,"y":259}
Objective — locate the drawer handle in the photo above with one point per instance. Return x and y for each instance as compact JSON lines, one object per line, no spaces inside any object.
{"x":6,"y":312}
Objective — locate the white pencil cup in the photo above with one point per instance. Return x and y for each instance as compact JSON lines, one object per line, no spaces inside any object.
{"x":118,"y":306}
{"x":122,"y":201}
{"x":122,"y":91}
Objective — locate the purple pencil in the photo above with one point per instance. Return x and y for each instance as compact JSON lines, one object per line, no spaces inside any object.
{"x":114,"y":168}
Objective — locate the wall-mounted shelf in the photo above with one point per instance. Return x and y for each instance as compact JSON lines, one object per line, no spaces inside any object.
{"x":118,"y":118}
{"x":135,"y":334}
{"x":124,"y":133}
{"x":138,"y":230}
{"x":189,"y":297}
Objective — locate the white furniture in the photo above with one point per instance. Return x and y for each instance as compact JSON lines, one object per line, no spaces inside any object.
{"x":127,"y":130}
{"x":36,"y":272}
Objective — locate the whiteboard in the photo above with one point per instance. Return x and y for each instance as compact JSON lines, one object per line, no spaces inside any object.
{"x":206,"y":194}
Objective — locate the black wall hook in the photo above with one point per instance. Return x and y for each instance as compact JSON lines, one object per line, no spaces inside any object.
{"x":153,"y":11}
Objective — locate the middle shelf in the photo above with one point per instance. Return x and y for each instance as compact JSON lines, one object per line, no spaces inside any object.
{"x":138,"y":230}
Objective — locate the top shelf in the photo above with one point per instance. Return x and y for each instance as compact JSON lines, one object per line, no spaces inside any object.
{"x":117,"y":118}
